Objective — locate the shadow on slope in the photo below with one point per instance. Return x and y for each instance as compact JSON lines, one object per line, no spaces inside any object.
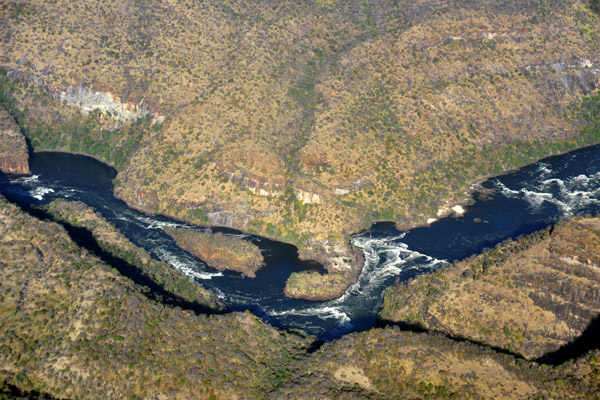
{"x":150,"y":288}
{"x":419,"y":329}
{"x":588,"y":340}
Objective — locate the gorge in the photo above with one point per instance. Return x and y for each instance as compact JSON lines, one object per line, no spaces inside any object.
{"x":316,"y":199}
{"x":522,"y":202}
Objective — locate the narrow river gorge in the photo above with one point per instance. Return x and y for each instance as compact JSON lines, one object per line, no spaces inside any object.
{"x":521,"y":202}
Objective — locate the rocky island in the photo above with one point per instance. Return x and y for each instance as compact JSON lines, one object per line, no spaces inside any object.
{"x":315,"y":286}
{"x":303,"y":122}
{"x":223,"y":252}
{"x":72,"y":326}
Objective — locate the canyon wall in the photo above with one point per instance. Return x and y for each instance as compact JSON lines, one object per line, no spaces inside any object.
{"x":14,"y":154}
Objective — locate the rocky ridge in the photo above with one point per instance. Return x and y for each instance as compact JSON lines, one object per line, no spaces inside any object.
{"x":528,"y":296}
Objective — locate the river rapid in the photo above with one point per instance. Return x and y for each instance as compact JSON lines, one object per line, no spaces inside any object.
{"x":522,"y":202}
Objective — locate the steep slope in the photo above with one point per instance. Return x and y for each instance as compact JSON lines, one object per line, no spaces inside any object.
{"x":302,"y":121}
{"x":392,"y":364}
{"x":529,"y":296}
{"x":113,"y":242}
{"x":14,"y":154}
{"x":71,"y":326}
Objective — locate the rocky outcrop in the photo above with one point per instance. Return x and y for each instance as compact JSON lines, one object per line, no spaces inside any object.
{"x":147,"y":200}
{"x":335,"y":257}
{"x":14,"y":154}
{"x":257,"y":186}
{"x":307,"y":197}
{"x":87,"y":101}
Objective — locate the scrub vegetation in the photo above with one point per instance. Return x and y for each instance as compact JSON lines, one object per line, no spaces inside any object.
{"x":72,"y":326}
{"x":301,"y":121}
{"x":223,"y":252}
{"x":113,"y":242}
{"x":528,"y":296}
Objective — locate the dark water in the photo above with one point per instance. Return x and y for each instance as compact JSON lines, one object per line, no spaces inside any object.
{"x":532,"y":198}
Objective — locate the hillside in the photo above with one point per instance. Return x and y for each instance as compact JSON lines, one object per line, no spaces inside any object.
{"x":302,"y":121}
{"x":389,"y":363}
{"x":528,"y":296}
{"x":72,"y":326}
{"x":136,"y":262}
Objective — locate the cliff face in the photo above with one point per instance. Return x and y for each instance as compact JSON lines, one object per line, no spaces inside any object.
{"x":88,"y":101}
{"x":304,"y":122}
{"x":528,"y":296}
{"x":14,"y":154}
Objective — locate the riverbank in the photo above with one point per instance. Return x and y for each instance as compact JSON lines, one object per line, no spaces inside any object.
{"x":528,"y":296}
{"x":341,"y":260}
{"x":349,"y":267}
{"x":171,"y":285}
{"x":65,"y":293}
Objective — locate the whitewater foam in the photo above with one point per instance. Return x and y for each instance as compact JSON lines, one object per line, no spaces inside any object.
{"x":506,"y":191}
{"x":39,"y":192}
{"x":189,"y":269}
{"x":27,"y":179}
{"x":543,"y":169}
{"x":325,"y":312}
{"x":570,"y":195}
{"x":396,"y":256}
{"x":152,"y":223}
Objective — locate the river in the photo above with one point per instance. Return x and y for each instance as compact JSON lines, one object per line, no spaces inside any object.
{"x":524,"y":201}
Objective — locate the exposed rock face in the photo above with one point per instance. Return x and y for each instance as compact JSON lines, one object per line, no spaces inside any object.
{"x":257,"y":186}
{"x":307,"y":197}
{"x":147,"y":200}
{"x":14,"y":155}
{"x":528,"y":296}
{"x":88,"y":101}
{"x":220,"y":218}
